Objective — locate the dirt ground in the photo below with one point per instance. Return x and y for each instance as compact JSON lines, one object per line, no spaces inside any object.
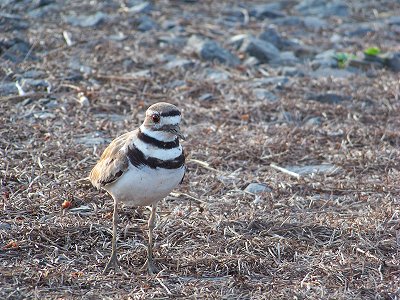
{"x":327,"y":235}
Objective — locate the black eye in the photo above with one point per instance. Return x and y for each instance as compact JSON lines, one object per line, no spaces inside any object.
{"x":155,"y":118}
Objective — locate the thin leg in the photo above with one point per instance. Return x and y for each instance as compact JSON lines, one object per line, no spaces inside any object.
{"x":113,"y":262}
{"x":150,"y":264}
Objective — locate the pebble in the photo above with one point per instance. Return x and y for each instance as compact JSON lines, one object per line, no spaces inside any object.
{"x":5,"y":226}
{"x":331,"y":98}
{"x":91,"y":140}
{"x":260,"y":49}
{"x":146,"y":23}
{"x":211,"y":51}
{"x":87,"y":20}
{"x":179,"y":63}
{"x":264,"y":94}
{"x":314,"y":23}
{"x":34,"y":74}
{"x":257,"y":188}
{"x":323,"y":8}
{"x":206,"y":97}
{"x":326,"y":59}
{"x":328,"y":169}
{"x":8,"y":89}
{"x":272,"y":36}
{"x":269,"y":10}
{"x":215,"y":75}
{"x":394,"y":20}
{"x":392,"y":61}
{"x":17,"y":50}
{"x":286,"y":58}
{"x":330,"y":72}
{"x":138,"y":8}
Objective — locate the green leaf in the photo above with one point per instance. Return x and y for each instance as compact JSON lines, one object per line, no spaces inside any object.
{"x":372,"y":51}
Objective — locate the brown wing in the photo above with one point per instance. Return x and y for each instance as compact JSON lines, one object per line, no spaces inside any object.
{"x":113,"y":162}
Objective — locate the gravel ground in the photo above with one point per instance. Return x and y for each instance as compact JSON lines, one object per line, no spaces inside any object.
{"x":291,"y":109}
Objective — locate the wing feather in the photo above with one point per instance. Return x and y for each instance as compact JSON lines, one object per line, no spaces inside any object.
{"x":113,"y":162}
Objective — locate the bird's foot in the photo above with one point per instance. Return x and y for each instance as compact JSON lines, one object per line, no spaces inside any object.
{"x":112,"y":263}
{"x":151,"y":267}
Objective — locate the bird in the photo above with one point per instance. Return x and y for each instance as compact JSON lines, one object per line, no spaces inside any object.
{"x":141,"y":167}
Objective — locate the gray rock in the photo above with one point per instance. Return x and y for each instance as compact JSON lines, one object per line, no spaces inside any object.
{"x":44,"y":115}
{"x":215,"y":75}
{"x":29,"y":83}
{"x":314,"y":121}
{"x":237,"y":40}
{"x":210,"y":50}
{"x":206,"y":97}
{"x":262,"y":50}
{"x":314,"y":23}
{"x":17,"y":50}
{"x":392,"y":61}
{"x":34,"y":74}
{"x":43,"y":11}
{"x":7,"y":89}
{"x":257,"y":188}
{"x":269,"y":10}
{"x":277,"y":81}
{"x":172,"y":40}
{"x":176,"y":84}
{"x":272,"y":36}
{"x":87,"y":20}
{"x":144,"y":7}
{"x":145,"y":23}
{"x":179,"y":63}
{"x":264,"y":94}
{"x":327,"y":169}
{"x":325,"y":59}
{"x":289,"y":21}
{"x":286,"y":58}
{"x":91,"y":140}
{"x":323,"y":8}
{"x":291,"y":71}
{"x":330,"y":72}
{"x":394,"y":20}
{"x":5,"y":226}
{"x":331,"y":98}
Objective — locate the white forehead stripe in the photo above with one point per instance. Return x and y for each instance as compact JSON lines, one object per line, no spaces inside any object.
{"x":170,"y":120}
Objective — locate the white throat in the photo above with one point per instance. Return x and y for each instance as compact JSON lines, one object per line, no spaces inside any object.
{"x":159,"y":135}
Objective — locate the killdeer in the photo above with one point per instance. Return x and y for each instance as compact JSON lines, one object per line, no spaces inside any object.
{"x":141,"y":167}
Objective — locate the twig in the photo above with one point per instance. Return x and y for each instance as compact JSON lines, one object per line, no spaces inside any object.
{"x":204,"y":165}
{"x":286,"y":171}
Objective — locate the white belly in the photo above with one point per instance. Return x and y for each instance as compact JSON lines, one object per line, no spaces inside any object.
{"x":144,"y":186}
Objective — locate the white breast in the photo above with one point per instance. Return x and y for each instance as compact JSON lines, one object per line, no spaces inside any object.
{"x":144,"y":186}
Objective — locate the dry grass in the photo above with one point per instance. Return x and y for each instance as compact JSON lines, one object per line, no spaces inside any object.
{"x":330,"y":237}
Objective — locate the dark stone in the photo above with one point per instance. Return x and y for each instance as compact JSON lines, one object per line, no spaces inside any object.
{"x":326,"y":59}
{"x":392,"y":61}
{"x":330,"y":98}
{"x":139,"y":8}
{"x":323,"y":8}
{"x":16,"y":50}
{"x":272,"y":36}
{"x":264,"y":94}
{"x":330,"y":72}
{"x":289,"y":21}
{"x":207,"y":97}
{"x":179,"y":63}
{"x":87,"y":20}
{"x":394,"y":20}
{"x":146,"y":23}
{"x":7,"y":89}
{"x":269,"y":10}
{"x":262,"y":50}
{"x":210,"y":50}
{"x":314,"y":23}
